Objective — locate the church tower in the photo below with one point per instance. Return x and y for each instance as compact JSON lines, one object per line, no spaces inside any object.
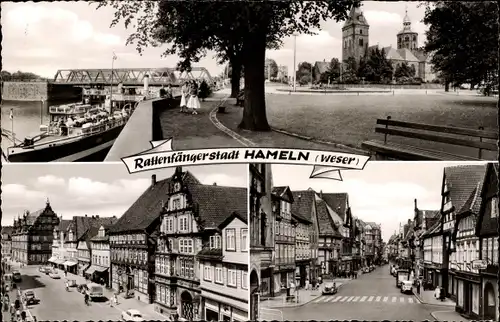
{"x":355,"y":34}
{"x":406,"y":37}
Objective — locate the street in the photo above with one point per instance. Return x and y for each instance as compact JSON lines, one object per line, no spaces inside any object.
{"x":373,"y":296}
{"x":58,"y":304}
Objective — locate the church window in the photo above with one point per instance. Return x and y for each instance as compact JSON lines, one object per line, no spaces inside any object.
{"x":361,"y":41}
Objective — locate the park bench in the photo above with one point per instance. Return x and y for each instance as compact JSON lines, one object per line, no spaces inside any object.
{"x":240,"y":99}
{"x":382,"y":149}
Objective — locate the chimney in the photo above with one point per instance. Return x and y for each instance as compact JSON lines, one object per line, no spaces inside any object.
{"x":153,"y":179}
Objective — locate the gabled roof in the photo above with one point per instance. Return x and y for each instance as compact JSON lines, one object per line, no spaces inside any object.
{"x":231,"y":217}
{"x":303,"y":202}
{"x":146,"y":209}
{"x":322,"y":66}
{"x":392,"y":54}
{"x":325,"y":221}
{"x":338,"y":202}
{"x":283,"y":192}
{"x":462,"y":180}
{"x":407,"y":55}
{"x":216,"y":203}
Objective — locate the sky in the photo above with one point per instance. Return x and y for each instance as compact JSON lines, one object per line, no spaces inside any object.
{"x":102,"y":189}
{"x":383,"y":192}
{"x":43,"y":37}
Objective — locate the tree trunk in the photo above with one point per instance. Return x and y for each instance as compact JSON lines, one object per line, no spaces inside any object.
{"x":254,"y":57}
{"x":235,"y":77}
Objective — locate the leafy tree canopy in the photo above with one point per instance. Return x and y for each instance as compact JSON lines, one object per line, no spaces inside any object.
{"x":463,"y":38}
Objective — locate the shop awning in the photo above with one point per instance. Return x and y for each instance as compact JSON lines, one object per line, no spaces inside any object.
{"x":59,"y":261}
{"x":100,"y":269}
{"x":53,"y":259}
{"x":69,"y":263}
{"x":91,"y":269}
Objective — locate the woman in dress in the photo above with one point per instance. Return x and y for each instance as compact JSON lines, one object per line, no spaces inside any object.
{"x":194,"y":103}
{"x":184,"y":92}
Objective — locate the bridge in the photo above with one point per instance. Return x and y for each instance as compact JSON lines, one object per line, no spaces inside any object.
{"x":130,"y":76}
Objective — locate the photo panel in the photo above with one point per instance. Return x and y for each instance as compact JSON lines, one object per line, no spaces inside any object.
{"x":395,"y":241}
{"x":394,"y":81}
{"x":92,"y":242}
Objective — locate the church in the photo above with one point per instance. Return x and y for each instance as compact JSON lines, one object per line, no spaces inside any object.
{"x":355,"y":38}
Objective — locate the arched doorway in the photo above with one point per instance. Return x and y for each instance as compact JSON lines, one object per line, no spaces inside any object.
{"x":254,"y":296}
{"x":489,"y":303}
{"x":187,"y":306}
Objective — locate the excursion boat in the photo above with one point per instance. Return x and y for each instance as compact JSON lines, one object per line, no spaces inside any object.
{"x":75,"y":132}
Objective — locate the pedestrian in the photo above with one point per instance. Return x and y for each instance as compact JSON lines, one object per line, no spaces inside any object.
{"x":193,"y":102}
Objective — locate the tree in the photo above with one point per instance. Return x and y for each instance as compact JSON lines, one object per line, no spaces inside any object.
{"x":304,"y":73}
{"x":273,"y":73}
{"x":463,"y":37}
{"x":333,"y":69}
{"x":190,"y":28}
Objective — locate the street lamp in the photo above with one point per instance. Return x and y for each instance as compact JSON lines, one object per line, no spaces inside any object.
{"x":294,"y":61}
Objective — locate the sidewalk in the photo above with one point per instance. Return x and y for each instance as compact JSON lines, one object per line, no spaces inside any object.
{"x":304,"y":296}
{"x":448,"y":316}
{"x":427,"y":297}
{"x":123,"y":304}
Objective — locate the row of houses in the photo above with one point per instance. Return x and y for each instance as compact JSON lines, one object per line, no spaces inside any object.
{"x":181,"y":245}
{"x":298,"y":236}
{"x":456,"y":247}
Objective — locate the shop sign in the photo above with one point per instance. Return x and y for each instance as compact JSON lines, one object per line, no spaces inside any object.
{"x":479,"y":264}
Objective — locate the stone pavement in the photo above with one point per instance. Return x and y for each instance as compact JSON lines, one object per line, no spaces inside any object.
{"x":427,"y":297}
{"x":304,"y":296}
{"x":448,"y":316}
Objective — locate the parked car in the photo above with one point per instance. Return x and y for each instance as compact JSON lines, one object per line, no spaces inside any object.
{"x":132,"y":316}
{"x":30,"y":298}
{"x":329,"y":289}
{"x":54,"y":275}
{"x":407,"y":287}
{"x":95,"y":290}
{"x":16,"y":276}
{"x":71,"y":283}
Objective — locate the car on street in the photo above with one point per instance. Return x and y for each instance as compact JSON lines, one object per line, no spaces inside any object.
{"x":132,"y":316}
{"x":54,"y":275}
{"x":16,"y":276}
{"x":407,"y":287}
{"x":30,"y":298}
{"x":329,"y":289}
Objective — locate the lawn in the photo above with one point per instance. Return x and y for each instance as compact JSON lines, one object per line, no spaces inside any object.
{"x":350,"y":120}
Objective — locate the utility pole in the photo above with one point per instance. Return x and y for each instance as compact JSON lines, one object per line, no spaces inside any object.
{"x":294,"y":62}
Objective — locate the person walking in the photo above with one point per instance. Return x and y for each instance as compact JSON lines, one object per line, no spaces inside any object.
{"x":193,"y":102}
{"x":184,"y":93}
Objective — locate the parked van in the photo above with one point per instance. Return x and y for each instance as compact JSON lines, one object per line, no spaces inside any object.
{"x":95,"y":290}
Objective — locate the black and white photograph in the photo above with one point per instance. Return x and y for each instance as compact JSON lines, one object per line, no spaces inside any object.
{"x":97,"y":81}
{"x":90,"y":242}
{"x":396,"y":241}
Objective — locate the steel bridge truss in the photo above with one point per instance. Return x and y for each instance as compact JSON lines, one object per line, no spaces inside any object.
{"x":130,"y":76}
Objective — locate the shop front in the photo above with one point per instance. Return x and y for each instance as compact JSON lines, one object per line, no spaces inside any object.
{"x":468,"y":294}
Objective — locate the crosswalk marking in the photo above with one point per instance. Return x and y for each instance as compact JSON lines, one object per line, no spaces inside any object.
{"x":364,"y":298}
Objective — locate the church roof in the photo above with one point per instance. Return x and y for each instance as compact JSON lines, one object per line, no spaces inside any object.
{"x":392,"y":53}
{"x":407,"y":55}
{"x":355,"y":17}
